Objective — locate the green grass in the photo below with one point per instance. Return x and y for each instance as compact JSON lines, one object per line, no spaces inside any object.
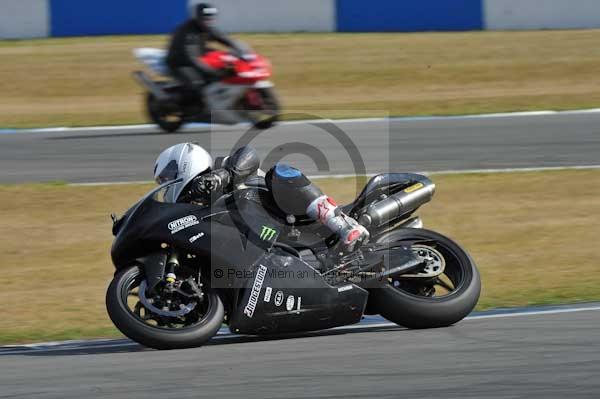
{"x":84,"y":81}
{"x":532,"y":235}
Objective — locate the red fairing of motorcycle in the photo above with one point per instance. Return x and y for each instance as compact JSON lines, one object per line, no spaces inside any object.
{"x":248,"y":71}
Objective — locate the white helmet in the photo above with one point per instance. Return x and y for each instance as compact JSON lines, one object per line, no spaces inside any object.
{"x":182,"y":161}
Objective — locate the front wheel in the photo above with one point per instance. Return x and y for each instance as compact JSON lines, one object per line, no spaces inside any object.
{"x":445,"y":292}
{"x":167,"y":116}
{"x":167,"y":317}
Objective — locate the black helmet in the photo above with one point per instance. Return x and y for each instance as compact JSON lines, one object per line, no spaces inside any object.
{"x":205,"y":13}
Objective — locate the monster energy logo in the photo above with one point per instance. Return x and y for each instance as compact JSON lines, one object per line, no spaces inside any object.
{"x":267,"y":233}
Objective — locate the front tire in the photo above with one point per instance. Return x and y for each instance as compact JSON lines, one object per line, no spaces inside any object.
{"x":159,"y":337}
{"x":413,"y":303}
{"x":168,"y":120}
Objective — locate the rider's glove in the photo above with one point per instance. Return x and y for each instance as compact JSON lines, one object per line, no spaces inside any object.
{"x":207,"y":184}
{"x":211,"y":182}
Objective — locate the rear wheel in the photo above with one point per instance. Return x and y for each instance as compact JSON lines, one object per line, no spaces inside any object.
{"x":263,"y":108}
{"x":443,"y":293}
{"x":166,"y":317}
{"x":168,"y":117}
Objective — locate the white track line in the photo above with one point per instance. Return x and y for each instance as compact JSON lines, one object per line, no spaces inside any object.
{"x":195,"y":126}
{"x":101,"y":344}
{"x":345,"y":176}
{"x":533,"y":313}
{"x":519,"y":313}
{"x":116,"y":183}
{"x":476,"y":171}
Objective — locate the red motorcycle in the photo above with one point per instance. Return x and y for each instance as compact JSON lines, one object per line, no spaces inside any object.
{"x":246,"y":96}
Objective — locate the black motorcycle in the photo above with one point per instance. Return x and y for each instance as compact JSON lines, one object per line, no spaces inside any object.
{"x":184,"y":269}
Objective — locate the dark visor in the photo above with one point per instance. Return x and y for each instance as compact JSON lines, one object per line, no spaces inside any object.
{"x":169,"y":173}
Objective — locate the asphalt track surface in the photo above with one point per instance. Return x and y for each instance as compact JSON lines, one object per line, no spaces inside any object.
{"x":534,"y":356}
{"x":553,"y":355}
{"x":396,"y":145}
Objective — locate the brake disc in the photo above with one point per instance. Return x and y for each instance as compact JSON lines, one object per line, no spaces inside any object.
{"x":434,"y":262}
{"x":148,"y":304}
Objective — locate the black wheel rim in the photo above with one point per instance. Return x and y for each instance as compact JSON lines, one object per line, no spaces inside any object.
{"x":133,"y":303}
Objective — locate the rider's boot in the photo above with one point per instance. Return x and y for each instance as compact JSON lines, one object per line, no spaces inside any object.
{"x":350,"y":232}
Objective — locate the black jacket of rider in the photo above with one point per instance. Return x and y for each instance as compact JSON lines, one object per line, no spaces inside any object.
{"x":189,"y":43}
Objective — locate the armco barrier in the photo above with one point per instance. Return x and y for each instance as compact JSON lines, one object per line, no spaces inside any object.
{"x":24,"y":19}
{"x":115,"y":17}
{"x":408,"y":16}
{"x":40,"y":18}
{"x":276,"y":15}
{"x":541,"y":14}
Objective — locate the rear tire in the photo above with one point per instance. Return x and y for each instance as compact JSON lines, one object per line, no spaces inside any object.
{"x":169,"y":121}
{"x":414,"y":311}
{"x":156,"y":337}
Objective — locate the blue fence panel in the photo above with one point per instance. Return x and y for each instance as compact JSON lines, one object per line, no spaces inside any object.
{"x":409,"y":15}
{"x":115,"y":17}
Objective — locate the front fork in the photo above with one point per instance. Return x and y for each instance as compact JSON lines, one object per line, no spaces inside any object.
{"x":170,"y":277}
{"x":172,"y":264}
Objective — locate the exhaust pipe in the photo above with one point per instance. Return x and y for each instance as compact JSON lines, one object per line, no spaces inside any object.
{"x":152,"y":87}
{"x":398,"y":204}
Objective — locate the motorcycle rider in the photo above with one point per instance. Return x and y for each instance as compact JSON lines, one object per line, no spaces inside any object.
{"x":291,"y":190}
{"x":189,"y":44}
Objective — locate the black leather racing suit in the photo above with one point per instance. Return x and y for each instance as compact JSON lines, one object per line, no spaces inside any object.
{"x":292,"y":192}
{"x":188,"y":44}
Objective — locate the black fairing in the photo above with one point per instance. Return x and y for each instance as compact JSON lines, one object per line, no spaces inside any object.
{"x":294,"y":297}
{"x":147,"y":229}
{"x":218,"y":240}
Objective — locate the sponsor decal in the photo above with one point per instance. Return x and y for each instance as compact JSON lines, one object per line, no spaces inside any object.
{"x":258,"y":282}
{"x":299,"y":302}
{"x":278,"y":298}
{"x":289,"y":304}
{"x":193,"y":239}
{"x":414,"y":188}
{"x":324,"y":207}
{"x":345,"y":288}
{"x":268,"y":291}
{"x":267,"y":233}
{"x":181,"y":224}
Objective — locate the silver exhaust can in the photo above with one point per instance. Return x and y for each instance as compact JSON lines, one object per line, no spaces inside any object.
{"x":398,"y":204}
